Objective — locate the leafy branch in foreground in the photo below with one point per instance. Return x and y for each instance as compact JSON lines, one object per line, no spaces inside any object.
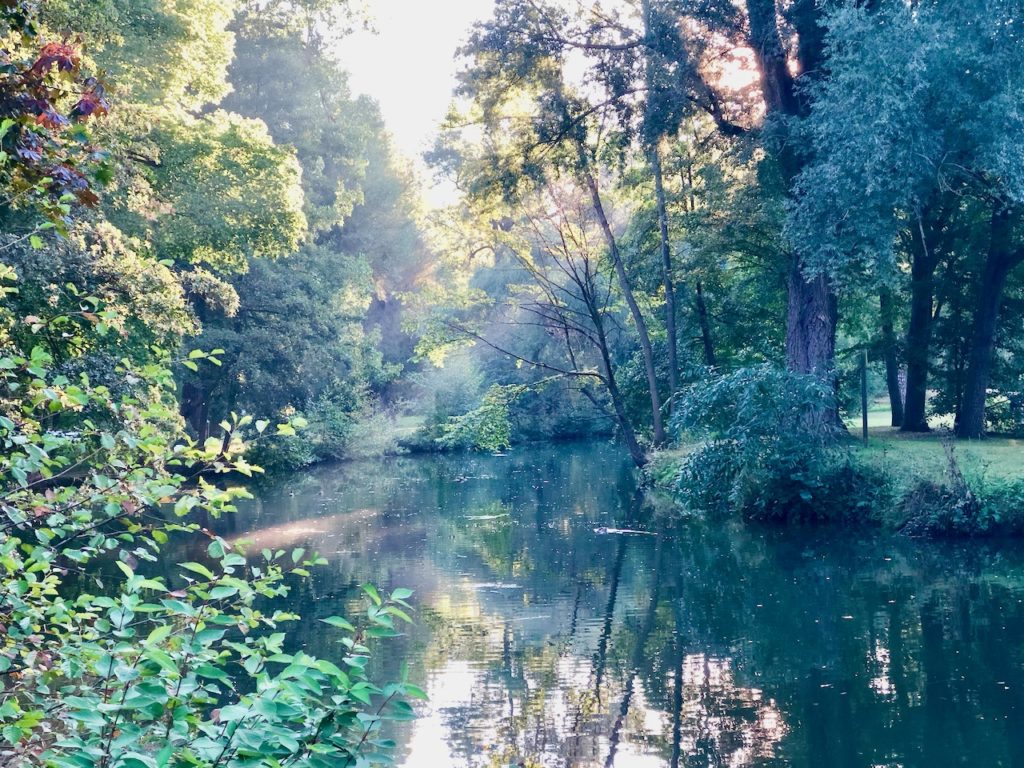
{"x":103,"y":662}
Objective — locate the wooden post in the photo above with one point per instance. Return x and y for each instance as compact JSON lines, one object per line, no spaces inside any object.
{"x":864,"y":394}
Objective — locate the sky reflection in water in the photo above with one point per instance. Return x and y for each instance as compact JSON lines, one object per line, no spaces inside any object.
{"x":543,"y":642}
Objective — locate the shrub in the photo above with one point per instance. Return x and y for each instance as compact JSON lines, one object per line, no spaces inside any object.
{"x":331,"y":427}
{"x":283,"y":453}
{"x":959,"y":506}
{"x":769,"y":451}
{"x":376,"y":434}
{"x":135,"y":671}
{"x":485,"y":428}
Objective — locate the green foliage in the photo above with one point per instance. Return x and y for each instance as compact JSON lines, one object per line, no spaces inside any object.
{"x":225,"y":192}
{"x":283,"y":453}
{"x":318,"y":332}
{"x":171,"y":53}
{"x":144,"y":296}
{"x":763,"y":456}
{"x":961,"y":505}
{"x":487,"y":427}
{"x":47,"y":161}
{"x":103,"y":663}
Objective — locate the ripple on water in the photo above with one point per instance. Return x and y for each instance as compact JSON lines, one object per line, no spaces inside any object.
{"x":543,"y":642}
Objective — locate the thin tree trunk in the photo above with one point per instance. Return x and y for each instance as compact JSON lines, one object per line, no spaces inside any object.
{"x":891,"y":357}
{"x":705,"y":327}
{"x":653,"y":130}
{"x":627,"y":292}
{"x":618,"y":404}
{"x":1000,"y":262}
{"x":919,"y":333}
{"x":666,"y":272}
{"x":625,"y":425}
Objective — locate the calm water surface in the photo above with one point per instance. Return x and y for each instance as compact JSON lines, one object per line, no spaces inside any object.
{"x":545,"y":641}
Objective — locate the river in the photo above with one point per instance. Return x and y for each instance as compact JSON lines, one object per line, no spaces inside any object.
{"x":546,"y":638}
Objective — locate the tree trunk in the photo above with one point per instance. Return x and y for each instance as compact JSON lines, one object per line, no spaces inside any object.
{"x":999,"y":263}
{"x":919,"y":334}
{"x":811,"y":325}
{"x":634,"y":308}
{"x":813,"y":308}
{"x":195,"y":408}
{"x":705,"y":327}
{"x":636,"y":453}
{"x":891,"y":357}
{"x":666,"y":272}
{"x":625,"y":425}
{"x":654,"y":129}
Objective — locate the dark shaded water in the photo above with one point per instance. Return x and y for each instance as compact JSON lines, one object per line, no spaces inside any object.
{"x":546,"y":643}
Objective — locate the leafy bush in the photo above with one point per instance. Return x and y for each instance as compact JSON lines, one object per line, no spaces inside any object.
{"x":1004,"y":414}
{"x":330,"y":432}
{"x":487,"y":427}
{"x":769,"y":451}
{"x":285,"y":451}
{"x":376,"y":434}
{"x":102,"y":663}
{"x":960,"y":506}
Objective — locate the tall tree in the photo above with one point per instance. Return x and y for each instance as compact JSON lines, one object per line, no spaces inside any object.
{"x":909,"y":165}
{"x":515,"y":56}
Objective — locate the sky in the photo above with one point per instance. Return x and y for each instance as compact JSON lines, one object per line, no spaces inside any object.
{"x":408,"y":66}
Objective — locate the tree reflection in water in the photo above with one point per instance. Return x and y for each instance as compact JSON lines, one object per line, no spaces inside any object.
{"x":544,"y":643}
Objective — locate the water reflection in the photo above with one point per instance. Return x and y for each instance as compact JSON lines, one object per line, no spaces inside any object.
{"x":544,"y":640}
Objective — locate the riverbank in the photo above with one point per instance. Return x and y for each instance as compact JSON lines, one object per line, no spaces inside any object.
{"x":927,"y":485}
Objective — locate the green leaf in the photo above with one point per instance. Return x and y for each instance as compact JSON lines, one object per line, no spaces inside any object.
{"x":202,"y":570}
{"x":159,"y":634}
{"x":162,"y":659}
{"x":414,"y":692}
{"x":372,"y":592}
{"x":339,"y":622}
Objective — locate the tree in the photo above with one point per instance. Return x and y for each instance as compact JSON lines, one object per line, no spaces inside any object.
{"x":304,"y":334}
{"x":561,"y":285}
{"x":515,"y":56}
{"x":902,"y":167}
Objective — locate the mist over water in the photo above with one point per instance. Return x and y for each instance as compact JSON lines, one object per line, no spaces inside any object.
{"x":544,"y":640}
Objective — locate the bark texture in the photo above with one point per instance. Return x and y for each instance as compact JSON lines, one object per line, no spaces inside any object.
{"x":919,"y":337}
{"x":890,"y":354}
{"x":1000,"y":261}
{"x":812,"y":308}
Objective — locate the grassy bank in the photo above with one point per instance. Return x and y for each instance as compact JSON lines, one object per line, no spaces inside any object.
{"x":921,"y":484}
{"x":924,"y":456}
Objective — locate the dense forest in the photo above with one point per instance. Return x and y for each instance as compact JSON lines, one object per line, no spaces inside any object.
{"x":670,"y":191}
{"x":715,"y":232}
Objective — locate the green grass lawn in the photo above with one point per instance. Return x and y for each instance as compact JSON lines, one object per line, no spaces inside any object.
{"x":925,"y":455}
{"x":907,"y":457}
{"x":916,"y":456}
